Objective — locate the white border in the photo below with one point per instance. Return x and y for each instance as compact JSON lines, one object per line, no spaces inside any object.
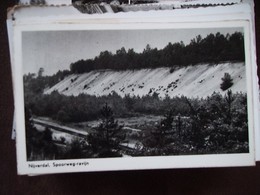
{"x":128,"y":163}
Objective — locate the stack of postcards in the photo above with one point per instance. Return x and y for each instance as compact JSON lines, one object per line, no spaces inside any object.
{"x":138,"y":84}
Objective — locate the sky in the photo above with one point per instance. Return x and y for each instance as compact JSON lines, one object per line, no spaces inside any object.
{"x":56,"y":50}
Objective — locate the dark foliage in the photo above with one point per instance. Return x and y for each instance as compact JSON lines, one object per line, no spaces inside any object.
{"x":107,"y":137}
{"x":39,"y":145}
{"x":77,"y":149}
{"x":36,"y":84}
{"x":214,"y":48}
{"x":161,"y":137}
{"x":87,"y":107}
{"x":227,"y":82}
{"x":37,"y":2}
{"x":216,"y":124}
{"x":120,"y":1}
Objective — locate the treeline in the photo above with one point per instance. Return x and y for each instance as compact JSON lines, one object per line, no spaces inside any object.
{"x":119,"y":1}
{"x":87,"y":107}
{"x":216,"y":124}
{"x":35,"y":84}
{"x":214,"y":48}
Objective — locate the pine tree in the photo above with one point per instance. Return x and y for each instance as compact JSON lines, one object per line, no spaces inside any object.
{"x":108,"y":136}
{"x":178,"y":125}
{"x":229,"y":99}
{"x":161,"y":134}
{"x":196,"y":136}
{"x":227,"y":82}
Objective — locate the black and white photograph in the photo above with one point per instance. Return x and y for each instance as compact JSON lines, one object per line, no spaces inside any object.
{"x":107,"y":100}
{"x":134,"y":93}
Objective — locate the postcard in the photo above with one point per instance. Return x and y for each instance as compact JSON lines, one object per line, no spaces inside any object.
{"x":127,"y":93}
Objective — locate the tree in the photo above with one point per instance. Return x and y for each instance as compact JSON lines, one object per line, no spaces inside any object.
{"x":39,"y":145}
{"x":40,"y":72}
{"x":166,"y":123}
{"x":77,"y":149}
{"x":198,"y":117}
{"x":229,"y":99}
{"x":178,"y":125}
{"x":105,"y":142}
{"x":37,"y":2}
{"x":147,"y":48}
{"x":30,"y":131}
{"x":161,"y":136}
{"x":227,"y":82}
{"x":47,"y":145}
{"x":236,"y":47}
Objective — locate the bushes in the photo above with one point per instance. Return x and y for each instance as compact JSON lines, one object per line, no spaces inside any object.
{"x":227,"y":82}
{"x":216,"y":124}
{"x":86,"y":107}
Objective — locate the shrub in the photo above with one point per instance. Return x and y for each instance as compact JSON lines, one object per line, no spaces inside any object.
{"x":227,"y":82}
